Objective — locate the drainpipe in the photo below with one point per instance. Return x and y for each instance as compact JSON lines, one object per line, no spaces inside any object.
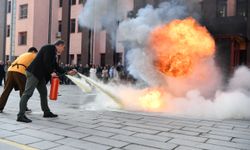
{"x":50,"y":22}
{"x":12,"y":30}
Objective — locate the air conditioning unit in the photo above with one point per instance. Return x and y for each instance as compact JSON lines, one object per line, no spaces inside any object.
{"x":58,"y":35}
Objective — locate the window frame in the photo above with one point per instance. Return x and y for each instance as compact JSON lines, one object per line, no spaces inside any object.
{"x":22,"y":38}
{"x":8,"y":31}
{"x":9,"y":7}
{"x":60,"y":26}
{"x":22,"y":11}
{"x":220,"y":3}
{"x":60,"y":3}
{"x":239,"y":13}
{"x":73,"y":2}
{"x":72,"y":25}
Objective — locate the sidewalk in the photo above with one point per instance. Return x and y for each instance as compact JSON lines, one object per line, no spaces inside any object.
{"x":78,"y":129}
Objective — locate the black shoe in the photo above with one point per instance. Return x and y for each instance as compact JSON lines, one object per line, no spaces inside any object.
{"x":1,"y":111}
{"x":23,"y":119}
{"x":28,"y":110}
{"x":49,"y":115}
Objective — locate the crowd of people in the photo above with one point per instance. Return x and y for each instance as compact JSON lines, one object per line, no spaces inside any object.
{"x":107,"y":73}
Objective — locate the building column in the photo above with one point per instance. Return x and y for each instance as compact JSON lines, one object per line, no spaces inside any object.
{"x":248,"y":53}
{"x":231,"y":8}
{"x":85,"y":47}
{"x":66,"y":11}
{"x":3,"y":13}
{"x":110,"y":51}
{"x":248,"y":35}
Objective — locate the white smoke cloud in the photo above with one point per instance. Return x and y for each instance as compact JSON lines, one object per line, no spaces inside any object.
{"x":228,"y":104}
{"x":240,"y":80}
{"x":102,"y":14}
{"x":200,"y":94}
{"x":137,"y":30}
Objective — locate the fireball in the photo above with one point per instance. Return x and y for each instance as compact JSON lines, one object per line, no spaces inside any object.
{"x":152,"y":101}
{"x":179,"y":45}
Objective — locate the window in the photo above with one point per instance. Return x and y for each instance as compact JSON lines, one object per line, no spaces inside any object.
{"x":79,"y":27}
{"x":60,"y":3}
{"x":72,"y":25}
{"x":82,"y":1}
{"x":79,"y":59}
{"x":71,"y":57}
{"x":8,"y":31}
{"x":103,"y":55}
{"x":22,"y":38}
{"x":23,"y":11}
{"x":9,"y":7}
{"x":60,"y":26}
{"x":241,"y":8}
{"x":73,"y":2}
{"x":221,"y":8}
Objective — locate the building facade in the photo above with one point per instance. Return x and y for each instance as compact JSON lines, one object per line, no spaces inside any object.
{"x":38,"y":22}
{"x":229,"y":23}
{"x":3,"y":9}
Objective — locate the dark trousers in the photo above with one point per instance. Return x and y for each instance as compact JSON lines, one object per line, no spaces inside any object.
{"x":14,"y":80}
{"x":32,"y":83}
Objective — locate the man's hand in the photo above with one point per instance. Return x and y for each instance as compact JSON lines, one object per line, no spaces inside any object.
{"x":53,"y":74}
{"x":72,"y":72}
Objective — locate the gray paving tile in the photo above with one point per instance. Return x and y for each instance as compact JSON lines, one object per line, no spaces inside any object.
{"x":195,"y":130}
{"x":144,"y":142}
{"x":44,"y":145}
{"x":83,"y":144}
{"x":186,"y":148}
{"x":216,"y":137}
{"x":105,"y":141}
{"x":66,"y":133}
{"x":11,"y":127}
{"x":92,"y":132}
{"x":112,"y":125}
{"x":40,"y":134}
{"x":237,"y":135}
{"x":185,"y":132}
{"x":184,"y":137}
{"x":8,"y":147}
{"x":5,"y":133}
{"x":229,"y":144}
{"x":64,"y":148}
{"x":152,"y":137}
{"x":141,"y":130}
{"x":139,"y":147}
{"x":200,"y":145}
{"x":23,"y":139}
{"x":150,"y":127}
{"x":114,"y":130}
{"x":243,"y":141}
{"x":49,"y":123}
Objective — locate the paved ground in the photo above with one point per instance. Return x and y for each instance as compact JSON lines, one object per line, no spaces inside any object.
{"x":77,"y":129}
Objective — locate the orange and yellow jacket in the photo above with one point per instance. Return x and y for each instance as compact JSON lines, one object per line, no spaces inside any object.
{"x":22,"y":62}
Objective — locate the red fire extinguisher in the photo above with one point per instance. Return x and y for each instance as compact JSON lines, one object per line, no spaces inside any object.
{"x":54,"y":88}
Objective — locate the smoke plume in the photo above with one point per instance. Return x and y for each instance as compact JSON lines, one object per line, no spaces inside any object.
{"x":200,"y":94}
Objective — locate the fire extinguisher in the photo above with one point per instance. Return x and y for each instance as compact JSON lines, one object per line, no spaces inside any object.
{"x":54,"y":88}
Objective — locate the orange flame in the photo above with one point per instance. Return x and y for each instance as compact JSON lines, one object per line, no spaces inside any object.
{"x":179,"y":45}
{"x":152,"y":101}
